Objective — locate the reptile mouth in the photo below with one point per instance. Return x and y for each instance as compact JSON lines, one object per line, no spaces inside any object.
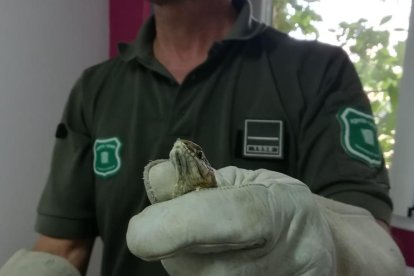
{"x":202,"y":170}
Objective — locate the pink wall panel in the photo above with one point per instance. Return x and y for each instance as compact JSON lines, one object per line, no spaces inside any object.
{"x":405,"y":240}
{"x":125,"y":17}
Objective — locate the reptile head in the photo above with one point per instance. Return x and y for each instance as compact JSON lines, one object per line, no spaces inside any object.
{"x":192,"y":167}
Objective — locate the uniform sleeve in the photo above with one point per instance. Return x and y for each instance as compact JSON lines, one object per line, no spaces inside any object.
{"x":67,"y":208}
{"x":339,"y":156}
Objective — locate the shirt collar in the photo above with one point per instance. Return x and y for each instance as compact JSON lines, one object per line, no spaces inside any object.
{"x":245,"y":28}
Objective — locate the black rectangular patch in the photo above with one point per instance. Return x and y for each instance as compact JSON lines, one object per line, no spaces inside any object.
{"x":263,"y":139}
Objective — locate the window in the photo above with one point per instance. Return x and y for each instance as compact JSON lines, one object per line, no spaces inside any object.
{"x":373,"y":32}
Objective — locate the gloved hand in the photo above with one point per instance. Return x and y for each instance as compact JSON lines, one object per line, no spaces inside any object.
{"x":32,"y":263}
{"x":255,"y":223}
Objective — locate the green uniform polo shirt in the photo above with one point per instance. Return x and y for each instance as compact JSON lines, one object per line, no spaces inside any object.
{"x":261,"y":100}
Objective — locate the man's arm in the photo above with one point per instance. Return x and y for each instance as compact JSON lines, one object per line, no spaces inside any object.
{"x":77,"y":252}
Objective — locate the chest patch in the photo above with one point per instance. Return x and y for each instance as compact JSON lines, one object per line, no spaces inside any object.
{"x":107,"y":159}
{"x":359,"y":136}
{"x":263,"y":139}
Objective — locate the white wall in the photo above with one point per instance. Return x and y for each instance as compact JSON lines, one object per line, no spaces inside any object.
{"x":44,"y":45}
{"x":402,"y":170}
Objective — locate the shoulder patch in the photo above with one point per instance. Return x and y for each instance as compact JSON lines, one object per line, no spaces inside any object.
{"x":107,"y":159}
{"x":359,"y":136}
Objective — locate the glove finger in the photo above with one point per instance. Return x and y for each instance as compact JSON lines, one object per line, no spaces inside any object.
{"x":213,"y":220}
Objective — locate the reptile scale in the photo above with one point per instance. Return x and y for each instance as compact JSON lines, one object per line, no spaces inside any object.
{"x":192,"y":167}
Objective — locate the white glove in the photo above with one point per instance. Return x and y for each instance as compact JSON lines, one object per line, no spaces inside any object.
{"x":31,"y":263}
{"x":255,"y":223}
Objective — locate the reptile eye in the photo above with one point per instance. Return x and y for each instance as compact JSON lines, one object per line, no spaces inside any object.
{"x":199,"y":154}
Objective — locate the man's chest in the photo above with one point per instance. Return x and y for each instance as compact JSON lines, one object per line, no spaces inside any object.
{"x":235,"y":115}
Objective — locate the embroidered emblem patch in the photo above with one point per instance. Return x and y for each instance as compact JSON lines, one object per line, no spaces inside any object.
{"x":263,"y":139}
{"x":359,"y":136}
{"x":107,"y":160}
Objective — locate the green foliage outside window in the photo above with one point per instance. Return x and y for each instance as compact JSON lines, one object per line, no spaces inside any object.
{"x":377,"y":60}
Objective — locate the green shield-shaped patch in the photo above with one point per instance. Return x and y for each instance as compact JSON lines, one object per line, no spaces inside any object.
{"x":359,"y":136}
{"x":107,"y":160}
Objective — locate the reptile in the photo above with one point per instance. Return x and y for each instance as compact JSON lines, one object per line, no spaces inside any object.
{"x":192,"y":167}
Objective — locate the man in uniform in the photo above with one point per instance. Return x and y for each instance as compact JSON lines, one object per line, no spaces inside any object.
{"x":205,"y":71}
